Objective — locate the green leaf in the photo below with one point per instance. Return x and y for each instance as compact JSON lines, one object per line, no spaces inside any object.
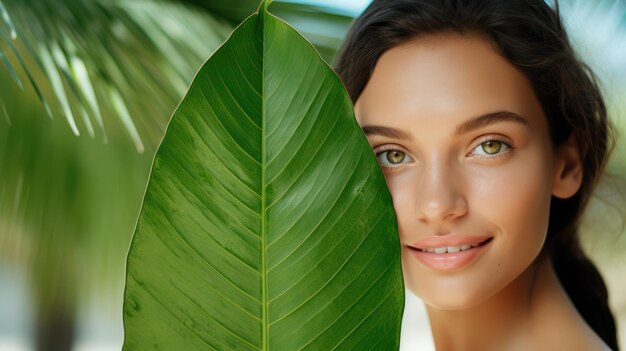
{"x":107,"y":66}
{"x":7,"y":20}
{"x":266,"y":223}
{"x":323,"y":26}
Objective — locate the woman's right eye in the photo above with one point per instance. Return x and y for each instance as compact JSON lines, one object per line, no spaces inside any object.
{"x":391,"y":158}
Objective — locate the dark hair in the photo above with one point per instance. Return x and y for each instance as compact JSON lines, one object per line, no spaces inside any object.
{"x":530,"y":34}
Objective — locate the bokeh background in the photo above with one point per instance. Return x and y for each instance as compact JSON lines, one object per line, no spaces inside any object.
{"x":86,"y":91}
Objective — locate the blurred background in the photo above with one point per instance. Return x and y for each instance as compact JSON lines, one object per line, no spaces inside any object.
{"x":86,"y":91}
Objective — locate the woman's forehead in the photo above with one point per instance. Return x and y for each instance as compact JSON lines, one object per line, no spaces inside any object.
{"x":439,"y":75}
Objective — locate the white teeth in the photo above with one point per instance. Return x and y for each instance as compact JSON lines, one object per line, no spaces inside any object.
{"x":452,"y":249}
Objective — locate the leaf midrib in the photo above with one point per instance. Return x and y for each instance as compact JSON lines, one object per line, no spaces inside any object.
{"x":262,"y":12}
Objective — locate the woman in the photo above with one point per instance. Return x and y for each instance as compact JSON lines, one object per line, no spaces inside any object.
{"x":491,"y":135}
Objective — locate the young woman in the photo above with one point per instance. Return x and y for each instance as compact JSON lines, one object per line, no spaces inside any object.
{"x":491,"y":134}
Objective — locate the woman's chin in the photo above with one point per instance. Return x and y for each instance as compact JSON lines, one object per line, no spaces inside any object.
{"x":452,"y":300}
{"x":449,"y":305}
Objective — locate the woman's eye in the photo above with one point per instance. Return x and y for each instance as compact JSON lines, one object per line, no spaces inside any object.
{"x":490,"y":148}
{"x":391,"y":158}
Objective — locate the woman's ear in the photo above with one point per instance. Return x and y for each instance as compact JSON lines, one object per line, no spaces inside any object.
{"x":568,"y":168}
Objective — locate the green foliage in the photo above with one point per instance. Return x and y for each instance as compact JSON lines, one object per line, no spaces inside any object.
{"x":86,"y":59}
{"x":102,"y":65}
{"x":324,"y":27}
{"x":266,"y":223}
{"x":68,"y":203}
{"x":67,"y":198}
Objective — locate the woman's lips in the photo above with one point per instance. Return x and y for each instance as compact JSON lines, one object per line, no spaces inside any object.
{"x":450,"y":251}
{"x":449,"y":240}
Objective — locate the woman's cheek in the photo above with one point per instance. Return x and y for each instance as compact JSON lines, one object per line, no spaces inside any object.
{"x":510,"y":201}
{"x":515,"y":199}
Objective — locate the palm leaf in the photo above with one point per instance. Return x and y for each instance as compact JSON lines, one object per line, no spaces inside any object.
{"x":266,"y":222}
{"x":90,"y":61}
{"x":127,"y":84}
{"x":233,"y":11}
{"x":83,"y":57}
{"x":65,"y":199}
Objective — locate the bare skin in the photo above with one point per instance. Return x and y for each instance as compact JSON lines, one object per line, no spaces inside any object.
{"x":532,"y":313}
{"x":491,"y":179}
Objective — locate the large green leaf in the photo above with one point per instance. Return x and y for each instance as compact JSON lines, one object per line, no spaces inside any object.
{"x":266,"y":223}
{"x":323,"y":26}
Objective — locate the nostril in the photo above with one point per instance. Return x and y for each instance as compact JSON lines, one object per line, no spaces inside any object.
{"x":441,"y":216}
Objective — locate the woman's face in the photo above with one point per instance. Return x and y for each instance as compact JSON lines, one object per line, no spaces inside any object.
{"x":465,"y":150}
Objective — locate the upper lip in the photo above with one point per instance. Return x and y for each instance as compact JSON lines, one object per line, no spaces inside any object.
{"x":449,"y":240}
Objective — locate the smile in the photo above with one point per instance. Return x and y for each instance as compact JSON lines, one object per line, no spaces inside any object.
{"x":450,"y":257}
{"x":452,"y":249}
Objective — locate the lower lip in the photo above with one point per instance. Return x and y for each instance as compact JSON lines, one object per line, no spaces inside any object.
{"x":449,"y":260}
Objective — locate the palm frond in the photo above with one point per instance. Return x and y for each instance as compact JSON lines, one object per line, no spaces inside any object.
{"x":6,"y":20}
{"x":89,"y":61}
{"x":107,"y":70}
{"x":84,"y":57}
{"x":233,"y":11}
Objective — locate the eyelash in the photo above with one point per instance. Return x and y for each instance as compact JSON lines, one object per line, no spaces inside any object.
{"x":499,"y":138}
{"x":386,"y":148}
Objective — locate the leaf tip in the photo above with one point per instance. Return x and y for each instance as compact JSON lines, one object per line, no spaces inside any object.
{"x":263,"y":6}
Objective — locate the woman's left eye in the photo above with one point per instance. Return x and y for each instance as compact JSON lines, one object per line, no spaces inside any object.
{"x":491,"y":148}
{"x":391,"y":158}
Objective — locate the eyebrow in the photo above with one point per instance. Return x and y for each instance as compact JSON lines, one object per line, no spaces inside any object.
{"x":490,"y":118}
{"x":386,"y":132}
{"x":465,"y":127}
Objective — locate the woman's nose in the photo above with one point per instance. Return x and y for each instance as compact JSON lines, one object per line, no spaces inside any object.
{"x":439,"y":195}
